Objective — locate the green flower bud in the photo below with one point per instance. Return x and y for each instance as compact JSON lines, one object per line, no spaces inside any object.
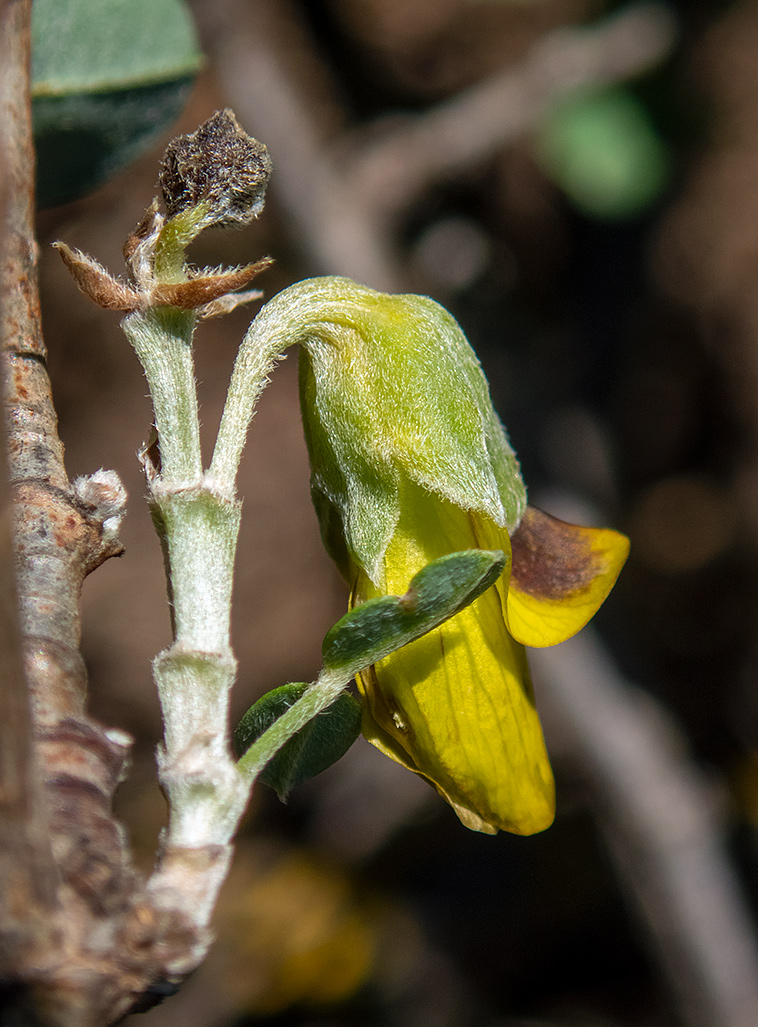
{"x":391,"y":391}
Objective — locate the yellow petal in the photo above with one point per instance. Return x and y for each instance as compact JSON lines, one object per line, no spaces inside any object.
{"x":457,"y":705}
{"x":561,"y":575}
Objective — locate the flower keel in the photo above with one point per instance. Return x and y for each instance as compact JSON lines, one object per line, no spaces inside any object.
{"x":457,"y":706}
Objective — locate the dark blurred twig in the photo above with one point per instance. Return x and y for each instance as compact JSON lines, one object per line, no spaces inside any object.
{"x":343,"y":199}
{"x":391,"y":171}
{"x":658,"y":817}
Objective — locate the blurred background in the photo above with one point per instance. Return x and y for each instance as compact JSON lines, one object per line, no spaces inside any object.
{"x":577,"y":181}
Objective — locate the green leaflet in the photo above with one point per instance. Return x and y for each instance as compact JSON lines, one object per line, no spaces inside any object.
{"x":379,"y":626}
{"x":364,"y":635}
{"x":89,"y":46}
{"x":323,"y":740}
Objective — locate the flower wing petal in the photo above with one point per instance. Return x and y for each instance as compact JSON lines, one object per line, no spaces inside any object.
{"x":561,"y":575}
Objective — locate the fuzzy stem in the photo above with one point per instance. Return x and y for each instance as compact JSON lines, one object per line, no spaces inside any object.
{"x":259,"y":352}
{"x":288,"y":318}
{"x":195,"y":675}
{"x":162,"y":339}
{"x":206,"y":795}
{"x":200,"y":529}
{"x":176,"y":235}
{"x":198,"y":524}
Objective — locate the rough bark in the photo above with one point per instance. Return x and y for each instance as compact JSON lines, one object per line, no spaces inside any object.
{"x":79,"y":939}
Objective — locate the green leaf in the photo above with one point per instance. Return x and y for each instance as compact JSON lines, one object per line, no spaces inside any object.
{"x":82,"y":140}
{"x":377,"y":627}
{"x":602,"y":149}
{"x":323,"y":740}
{"x":108,"y":79}
{"x":91,"y":46}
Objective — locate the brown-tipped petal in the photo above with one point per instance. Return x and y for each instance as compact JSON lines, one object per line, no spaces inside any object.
{"x":204,"y":289}
{"x":561,"y":575}
{"x":95,"y":282}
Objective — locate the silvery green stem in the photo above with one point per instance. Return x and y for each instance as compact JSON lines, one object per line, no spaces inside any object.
{"x":285,"y":320}
{"x":198,"y":523}
{"x":195,"y":675}
{"x":200,"y":526}
{"x":162,"y":339}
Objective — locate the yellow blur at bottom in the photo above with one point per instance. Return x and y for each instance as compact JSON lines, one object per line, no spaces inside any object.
{"x":290,"y":931}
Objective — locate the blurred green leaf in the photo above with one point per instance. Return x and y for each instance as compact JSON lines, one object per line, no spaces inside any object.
{"x":91,"y":46}
{"x":108,"y":79}
{"x":314,"y":748}
{"x":602,"y":149}
{"x":377,"y":627}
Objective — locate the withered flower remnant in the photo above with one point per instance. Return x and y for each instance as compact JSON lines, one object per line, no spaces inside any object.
{"x":216,"y":176}
{"x":219,"y":166}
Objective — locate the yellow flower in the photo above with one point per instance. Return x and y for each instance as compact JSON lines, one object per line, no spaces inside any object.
{"x":410,"y":463}
{"x":457,"y":706}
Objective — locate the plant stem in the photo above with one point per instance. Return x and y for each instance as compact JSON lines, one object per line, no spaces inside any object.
{"x":197,"y":518}
{"x":174,"y":239}
{"x":195,"y":675}
{"x":261,"y":348}
{"x":200,"y":527}
{"x":162,"y":339}
{"x":198,"y":524}
{"x":290,"y":317}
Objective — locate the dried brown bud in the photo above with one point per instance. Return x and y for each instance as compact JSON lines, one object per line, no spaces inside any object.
{"x":220,"y":165}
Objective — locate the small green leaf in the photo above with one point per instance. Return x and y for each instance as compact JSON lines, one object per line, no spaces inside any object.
{"x":323,"y":740}
{"x":377,"y":627}
{"x":108,"y":79}
{"x":602,"y":149}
